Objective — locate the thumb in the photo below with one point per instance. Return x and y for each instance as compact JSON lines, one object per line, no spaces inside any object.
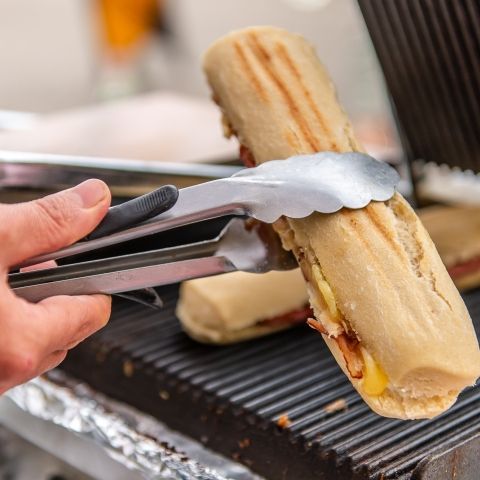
{"x":52,"y":222}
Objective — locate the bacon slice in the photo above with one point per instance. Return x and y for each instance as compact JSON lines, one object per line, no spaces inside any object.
{"x":316,"y":325}
{"x":290,"y":318}
{"x":349,"y":348}
{"x":347,"y":345}
{"x":246,"y":157}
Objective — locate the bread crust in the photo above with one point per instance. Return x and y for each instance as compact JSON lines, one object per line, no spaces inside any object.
{"x":390,"y":286}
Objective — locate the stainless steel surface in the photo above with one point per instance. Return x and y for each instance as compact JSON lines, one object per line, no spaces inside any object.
{"x":128,"y":177}
{"x":324,"y":182}
{"x":56,"y":447}
{"x":121,"y":164}
{"x":107,"y":439}
{"x":236,"y":248}
{"x":21,"y":459}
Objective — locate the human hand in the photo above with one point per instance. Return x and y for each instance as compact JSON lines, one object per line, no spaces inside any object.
{"x":35,"y":338}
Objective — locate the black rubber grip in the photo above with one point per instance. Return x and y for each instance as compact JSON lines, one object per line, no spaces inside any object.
{"x":135,"y":211}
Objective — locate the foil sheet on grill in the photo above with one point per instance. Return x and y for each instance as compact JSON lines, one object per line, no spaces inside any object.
{"x":135,"y":440}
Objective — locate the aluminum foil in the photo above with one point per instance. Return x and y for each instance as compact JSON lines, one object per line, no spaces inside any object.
{"x":124,"y":433}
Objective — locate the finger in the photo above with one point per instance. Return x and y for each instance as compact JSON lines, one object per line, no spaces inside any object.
{"x":53,"y":360}
{"x":40,"y":266}
{"x":51,"y":222}
{"x":66,"y":321}
{"x":37,"y":333}
{"x":22,"y":375}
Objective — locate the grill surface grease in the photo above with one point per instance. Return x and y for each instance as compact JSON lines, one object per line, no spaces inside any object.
{"x":279,"y":404}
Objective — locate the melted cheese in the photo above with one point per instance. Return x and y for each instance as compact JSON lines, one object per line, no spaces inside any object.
{"x":326,"y":292}
{"x":374,"y":379}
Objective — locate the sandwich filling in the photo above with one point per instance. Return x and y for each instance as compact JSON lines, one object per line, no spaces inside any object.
{"x":465,"y":268}
{"x":290,"y":318}
{"x":359,"y":362}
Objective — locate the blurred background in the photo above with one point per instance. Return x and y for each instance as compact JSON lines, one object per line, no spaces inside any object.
{"x":86,"y":68}
{"x":123,"y":79}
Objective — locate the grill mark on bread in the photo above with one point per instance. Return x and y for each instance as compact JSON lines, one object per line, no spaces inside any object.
{"x":292,"y":139}
{"x":408,"y":223}
{"x":377,"y":222}
{"x":357,"y":231}
{"x":352,"y":142}
{"x":287,"y":60}
{"x":264,"y":60}
{"x":406,"y":229}
{"x":247,"y":68}
{"x":353,"y":222}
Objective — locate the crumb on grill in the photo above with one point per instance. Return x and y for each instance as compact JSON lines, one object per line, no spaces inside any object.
{"x":164,"y":395}
{"x":283,"y":421}
{"x":246,"y":442}
{"x":128,"y":368}
{"x":336,"y":405}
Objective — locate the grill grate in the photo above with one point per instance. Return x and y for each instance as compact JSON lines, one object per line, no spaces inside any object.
{"x":230,"y":398}
{"x":430,"y":54}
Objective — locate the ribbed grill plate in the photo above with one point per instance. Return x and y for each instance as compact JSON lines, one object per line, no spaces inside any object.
{"x":230,"y":398}
{"x":430,"y":54}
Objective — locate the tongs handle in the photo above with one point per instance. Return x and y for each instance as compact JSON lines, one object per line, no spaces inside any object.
{"x":135,"y":211}
{"x":123,"y":274}
{"x":201,"y":202}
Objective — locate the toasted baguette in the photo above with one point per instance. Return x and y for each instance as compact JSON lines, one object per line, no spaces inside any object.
{"x":387,"y":308}
{"x":239,"y":306}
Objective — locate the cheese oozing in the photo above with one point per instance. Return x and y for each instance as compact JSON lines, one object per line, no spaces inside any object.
{"x":326,"y":292}
{"x":374,"y":379}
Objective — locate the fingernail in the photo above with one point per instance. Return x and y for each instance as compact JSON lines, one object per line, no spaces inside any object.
{"x":91,"y":192}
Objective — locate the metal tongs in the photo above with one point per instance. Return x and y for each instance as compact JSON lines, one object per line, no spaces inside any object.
{"x":296,"y":187}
